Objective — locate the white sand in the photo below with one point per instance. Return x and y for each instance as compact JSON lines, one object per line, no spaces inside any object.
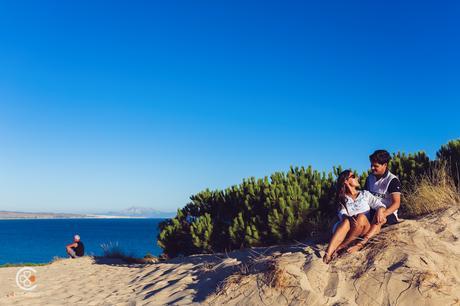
{"x":412,"y":263}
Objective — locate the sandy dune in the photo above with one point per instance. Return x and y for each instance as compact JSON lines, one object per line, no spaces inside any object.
{"x":412,"y":263}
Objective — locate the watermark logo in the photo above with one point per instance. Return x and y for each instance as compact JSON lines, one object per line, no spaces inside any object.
{"x":26,"y":278}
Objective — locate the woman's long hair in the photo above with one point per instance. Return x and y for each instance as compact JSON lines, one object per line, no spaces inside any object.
{"x":341,"y":189}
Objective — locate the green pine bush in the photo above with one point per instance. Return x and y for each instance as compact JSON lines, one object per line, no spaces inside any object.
{"x":286,"y":206}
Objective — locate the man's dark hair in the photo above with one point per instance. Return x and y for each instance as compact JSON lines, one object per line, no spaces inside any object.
{"x":380,"y":157}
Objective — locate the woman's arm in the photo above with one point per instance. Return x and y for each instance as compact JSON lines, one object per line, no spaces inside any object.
{"x":374,"y":202}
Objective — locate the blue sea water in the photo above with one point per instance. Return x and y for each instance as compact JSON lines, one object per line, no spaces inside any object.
{"x":38,"y":241}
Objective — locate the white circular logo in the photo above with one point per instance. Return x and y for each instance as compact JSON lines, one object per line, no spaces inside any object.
{"x":26,"y":278}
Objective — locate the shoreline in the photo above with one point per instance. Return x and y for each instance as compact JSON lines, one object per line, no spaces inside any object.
{"x":82,"y":217}
{"x":15,"y":215}
{"x":411,"y":263}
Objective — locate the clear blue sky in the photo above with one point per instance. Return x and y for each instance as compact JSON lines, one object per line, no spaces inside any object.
{"x":105,"y":105}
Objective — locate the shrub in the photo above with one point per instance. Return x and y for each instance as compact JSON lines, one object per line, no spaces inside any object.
{"x":201,"y":231}
{"x":284,"y":207}
{"x":408,"y":167}
{"x":175,"y":237}
{"x":450,"y":153}
{"x":293,"y":205}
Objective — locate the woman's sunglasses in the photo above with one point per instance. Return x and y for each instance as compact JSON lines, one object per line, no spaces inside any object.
{"x":353,"y":176}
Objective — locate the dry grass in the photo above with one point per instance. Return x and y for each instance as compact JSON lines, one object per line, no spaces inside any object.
{"x":229,"y":284}
{"x":234,"y":281}
{"x":276,"y":277}
{"x":264,"y":270}
{"x":432,"y":192}
{"x":115,"y":251}
{"x":425,"y":281}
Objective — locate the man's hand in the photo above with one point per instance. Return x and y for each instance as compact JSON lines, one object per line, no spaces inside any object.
{"x":381,"y":218}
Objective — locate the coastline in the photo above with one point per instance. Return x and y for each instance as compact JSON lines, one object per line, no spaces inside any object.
{"x":48,"y":216}
{"x":65,"y":218}
{"x":413,"y":262}
{"x":19,"y":215}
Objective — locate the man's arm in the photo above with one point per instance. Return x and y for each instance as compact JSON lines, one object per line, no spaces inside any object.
{"x":395,"y":203}
{"x":72,"y":245}
{"x":395,"y":190}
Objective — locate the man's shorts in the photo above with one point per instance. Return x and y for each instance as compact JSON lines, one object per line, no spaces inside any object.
{"x":72,"y":253}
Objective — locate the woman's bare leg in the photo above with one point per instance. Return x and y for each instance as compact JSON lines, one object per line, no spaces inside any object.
{"x":374,"y":229}
{"x":337,"y":238}
{"x":361,"y":226}
{"x":365,"y":229}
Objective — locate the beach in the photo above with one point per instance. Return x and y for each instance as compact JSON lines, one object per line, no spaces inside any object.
{"x":414,"y":262}
{"x":229,"y":153}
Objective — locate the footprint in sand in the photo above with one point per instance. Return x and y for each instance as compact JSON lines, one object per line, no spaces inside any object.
{"x":332,"y":283}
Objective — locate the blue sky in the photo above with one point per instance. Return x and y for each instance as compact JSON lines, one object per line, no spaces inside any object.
{"x":105,"y":105}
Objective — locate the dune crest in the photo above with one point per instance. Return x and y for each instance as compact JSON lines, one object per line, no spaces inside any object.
{"x":414,"y":262}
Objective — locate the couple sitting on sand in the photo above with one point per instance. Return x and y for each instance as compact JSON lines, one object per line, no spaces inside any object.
{"x":362,"y":213}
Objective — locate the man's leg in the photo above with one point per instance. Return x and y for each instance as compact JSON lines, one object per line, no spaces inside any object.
{"x":337,"y":238}
{"x":71,"y":253}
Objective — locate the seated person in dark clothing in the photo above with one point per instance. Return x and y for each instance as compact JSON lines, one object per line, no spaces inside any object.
{"x":77,"y":248}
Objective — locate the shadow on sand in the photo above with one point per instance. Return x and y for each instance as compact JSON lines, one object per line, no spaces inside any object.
{"x":211,"y":270}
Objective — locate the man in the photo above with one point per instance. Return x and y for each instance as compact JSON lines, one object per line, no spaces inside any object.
{"x":385,"y":185}
{"x":77,"y":248}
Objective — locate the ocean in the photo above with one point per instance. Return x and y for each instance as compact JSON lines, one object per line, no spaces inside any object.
{"x":39,"y":240}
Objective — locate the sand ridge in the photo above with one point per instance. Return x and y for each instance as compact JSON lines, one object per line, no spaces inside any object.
{"x":415,"y":262}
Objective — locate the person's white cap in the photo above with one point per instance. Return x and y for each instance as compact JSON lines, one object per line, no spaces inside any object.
{"x":76,"y":237}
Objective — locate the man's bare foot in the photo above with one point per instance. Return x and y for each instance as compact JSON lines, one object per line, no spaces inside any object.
{"x":356,"y":247}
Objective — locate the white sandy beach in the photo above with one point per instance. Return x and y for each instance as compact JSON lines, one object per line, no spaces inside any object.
{"x":412,"y":263}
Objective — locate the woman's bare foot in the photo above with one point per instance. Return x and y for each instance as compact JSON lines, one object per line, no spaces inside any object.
{"x":340,"y":248}
{"x":358,"y":246}
{"x":327,"y":258}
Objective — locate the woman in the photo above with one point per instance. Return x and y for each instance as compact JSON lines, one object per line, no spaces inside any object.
{"x":354,"y":214}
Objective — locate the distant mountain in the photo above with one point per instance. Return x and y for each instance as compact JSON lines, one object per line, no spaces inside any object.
{"x":141,"y":212}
